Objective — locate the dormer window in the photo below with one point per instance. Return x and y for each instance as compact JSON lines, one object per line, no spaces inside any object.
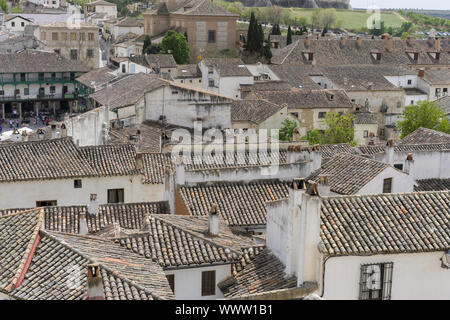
{"x":435,"y":55}
{"x":309,"y":56}
{"x":376,"y":55}
{"x":413,"y":55}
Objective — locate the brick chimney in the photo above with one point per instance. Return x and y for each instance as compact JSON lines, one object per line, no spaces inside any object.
{"x":324,"y":186}
{"x":24,"y":136}
{"x":83,"y":224}
{"x":389,"y":153}
{"x":409,"y":164}
{"x":358,"y":42}
{"x":93,"y":204}
{"x":437,"y":44}
{"x":63,"y":130}
{"x":409,"y":40}
{"x":94,"y":283}
{"x":147,"y":223}
{"x":389,"y":43}
{"x":342,"y":42}
{"x":213,"y":221}
{"x":421,"y":73}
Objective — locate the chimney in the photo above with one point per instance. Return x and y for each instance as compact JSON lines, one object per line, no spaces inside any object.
{"x":213,"y":221}
{"x":24,"y":136}
{"x":93,"y":205}
{"x":40,"y":134}
{"x":293,"y":154}
{"x":94,"y":283}
{"x":409,"y":163}
{"x":180,"y":172}
{"x":307,"y":41}
{"x":342,"y":42}
{"x":63,"y":130}
{"x":138,"y":160}
{"x":390,"y":152}
{"x":116,"y":227}
{"x":296,"y":135}
{"x":409,"y":40}
{"x":421,"y":73}
{"x":323,"y":187}
{"x":358,"y":42}
{"x":316,"y":158}
{"x":437,"y":44}
{"x":16,"y":135}
{"x":83,"y":224}
{"x":53,"y":126}
{"x":389,"y":44}
{"x":147,"y":223}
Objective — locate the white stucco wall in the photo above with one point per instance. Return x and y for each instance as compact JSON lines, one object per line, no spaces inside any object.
{"x":25,"y":194}
{"x":401,"y":182}
{"x":188,"y":282}
{"x":17,"y":28}
{"x":414,"y":276}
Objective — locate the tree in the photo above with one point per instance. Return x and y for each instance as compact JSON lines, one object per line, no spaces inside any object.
{"x":176,"y":44}
{"x":147,"y":45}
{"x":3,"y":6}
{"x":287,"y":130}
{"x":274,"y":14}
{"x":267,"y":53}
{"x":289,"y":36}
{"x":255,"y":36}
{"x":328,"y":18}
{"x":425,"y":114}
{"x":275,"y":30}
{"x":377,"y":32}
{"x":313,"y":137}
{"x":339,"y":129}
{"x":185,"y":35}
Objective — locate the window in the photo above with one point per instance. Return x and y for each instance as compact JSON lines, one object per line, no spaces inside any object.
{"x":73,"y":36}
{"x":211,"y":36}
{"x":115,"y":195}
{"x":65,"y":89}
{"x":46,"y":203}
{"x":376,"y":281}
{"x":63,"y":35}
{"x":13,"y":24}
{"x":174,"y":92}
{"x":437,"y":93}
{"x":90,"y":53}
{"x":208,"y":283}
{"x":409,"y":81}
{"x":26,"y":91}
{"x":22,"y":77}
{"x":57,"y":51}
{"x":322,"y":115}
{"x":42,"y":35}
{"x":123,"y":68}
{"x":52,"y":89}
{"x":378,"y":56}
{"x":398,"y":166}
{"x":171,"y":280}
{"x":310,"y":56}
{"x":55,"y":36}
{"x":387,"y":185}
{"x":211,"y":83}
{"x":17,"y":91}
{"x":72,"y":76}
{"x":2,"y":92}
{"x":412,"y":102}
{"x":73,"y":54}
{"x":90,"y":36}
{"x":82,"y":36}
{"x":22,"y":24}
{"x":444,"y":91}
{"x":366,"y":133}
{"x":77,"y":183}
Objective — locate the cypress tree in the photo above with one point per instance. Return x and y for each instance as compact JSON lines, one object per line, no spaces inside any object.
{"x":260,"y":43}
{"x":267,"y":49}
{"x":289,"y":36}
{"x":252,"y":34}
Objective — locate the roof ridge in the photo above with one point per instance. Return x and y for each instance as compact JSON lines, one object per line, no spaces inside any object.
{"x":28,"y":253}
{"x":386,"y":194}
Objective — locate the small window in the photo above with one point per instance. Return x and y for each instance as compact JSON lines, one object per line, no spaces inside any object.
{"x":82,"y":36}
{"x":46,"y":203}
{"x":90,"y":36}
{"x":22,"y":24}
{"x":208,"y":283}
{"x":13,"y":24}
{"x":90,"y":53}
{"x":123,"y":68}
{"x":17,"y":91}
{"x":63,"y":35}
{"x":77,"y":183}
{"x":73,"y":36}
{"x":366,"y":133}
{"x":387,"y":185}
{"x":212,"y":36}
{"x":2,"y":92}
{"x":174,"y":92}
{"x":378,"y":56}
{"x":57,"y":51}
{"x":43,"y":36}
{"x":72,"y":76}
{"x":398,"y":166}
{"x":52,"y":89}
{"x":211,"y":83}
{"x":22,"y":77}
{"x":171,"y":280}
{"x":409,"y":81}
{"x":412,"y":102}
{"x":55,"y":36}
{"x":322,"y":115}
{"x":376,"y":281}
{"x":115,"y":195}
{"x":310,"y":56}
{"x":26,"y":91}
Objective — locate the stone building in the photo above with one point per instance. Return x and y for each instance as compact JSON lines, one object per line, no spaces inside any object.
{"x":206,"y":25}
{"x":110,"y":9}
{"x":77,"y":43}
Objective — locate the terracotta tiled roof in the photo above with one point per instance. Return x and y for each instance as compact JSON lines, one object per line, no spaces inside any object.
{"x":128,"y":215}
{"x":228,"y":67}
{"x":38,"y":264}
{"x":100,"y":76}
{"x":238,"y":204}
{"x":386,"y":223}
{"x":255,"y":111}
{"x":201,"y":8}
{"x":349,"y":173}
{"x":432,"y":185}
{"x":263,"y":273}
{"x":444,"y":104}
{"x":365,"y":118}
{"x":154,"y":165}
{"x":435,"y":77}
{"x":51,"y":159}
{"x":38,"y":61}
{"x":425,"y":136}
{"x":155,"y":61}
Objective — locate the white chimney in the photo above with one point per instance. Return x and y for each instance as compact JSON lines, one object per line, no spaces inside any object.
{"x":213,"y":221}
{"x":94,"y":283}
{"x":63,"y":130}
{"x":116,"y":227}
{"x":24,"y":136}
{"x":324,"y":186}
{"x":390,"y":152}
{"x":179,"y":173}
{"x":139,"y":161}
{"x":316,"y":157}
{"x":54,"y":133}
{"x":83,"y":223}
{"x":147,"y":224}
{"x":409,"y":164}
{"x":93,"y":204}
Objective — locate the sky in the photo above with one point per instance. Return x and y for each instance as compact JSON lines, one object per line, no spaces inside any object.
{"x":420,"y":4}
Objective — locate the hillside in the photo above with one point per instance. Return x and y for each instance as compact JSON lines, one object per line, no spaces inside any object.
{"x":338,"y":4}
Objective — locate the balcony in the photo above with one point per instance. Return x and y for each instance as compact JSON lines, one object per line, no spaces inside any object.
{"x":39,"y":80}
{"x":68,"y":96}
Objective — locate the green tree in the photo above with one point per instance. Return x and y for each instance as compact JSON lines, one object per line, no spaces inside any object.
{"x":339,"y":129}
{"x":289,"y":36}
{"x":251,"y":34}
{"x":328,"y":18}
{"x":267,"y":53}
{"x":3,"y":6}
{"x":287,"y":130}
{"x":176,"y":44}
{"x":147,"y":45}
{"x":425,"y":114}
{"x":313,"y":137}
{"x":377,"y":32}
{"x":275,"y":30}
